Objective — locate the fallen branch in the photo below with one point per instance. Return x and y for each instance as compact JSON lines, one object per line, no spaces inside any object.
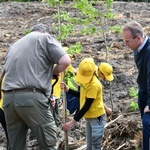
{"x":121,"y":146}
{"x":82,"y":148}
{"x":109,"y":123}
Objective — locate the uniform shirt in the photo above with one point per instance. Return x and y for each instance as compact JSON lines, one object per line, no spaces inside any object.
{"x":92,"y":90}
{"x":1,"y":100}
{"x":72,"y":84}
{"x":57,"y":88}
{"x":30,"y":61}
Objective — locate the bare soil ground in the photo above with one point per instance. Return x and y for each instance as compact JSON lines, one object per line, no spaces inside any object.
{"x":124,"y":127}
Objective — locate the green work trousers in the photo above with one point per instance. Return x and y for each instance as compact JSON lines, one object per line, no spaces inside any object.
{"x":55,"y":113}
{"x":24,"y":110}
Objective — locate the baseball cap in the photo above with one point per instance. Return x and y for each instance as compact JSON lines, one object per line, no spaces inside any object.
{"x":85,"y":70}
{"x":107,"y":70}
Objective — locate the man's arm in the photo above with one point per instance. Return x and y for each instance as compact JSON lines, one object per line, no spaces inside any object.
{"x":63,"y":63}
{"x":147,"y":108}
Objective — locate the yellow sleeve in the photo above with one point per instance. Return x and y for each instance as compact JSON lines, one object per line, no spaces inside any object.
{"x":70,"y":68}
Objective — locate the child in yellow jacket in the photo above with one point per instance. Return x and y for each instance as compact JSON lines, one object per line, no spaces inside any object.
{"x":2,"y":117}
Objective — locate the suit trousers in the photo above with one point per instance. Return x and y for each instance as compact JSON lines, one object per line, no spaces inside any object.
{"x":142,"y":99}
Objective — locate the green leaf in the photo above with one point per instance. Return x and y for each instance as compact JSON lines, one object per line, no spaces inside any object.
{"x":133,"y":106}
{"x":74,"y":49}
{"x":133,"y":92}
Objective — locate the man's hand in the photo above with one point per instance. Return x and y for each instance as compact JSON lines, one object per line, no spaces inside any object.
{"x":146,"y":109}
{"x":64,"y":86}
{"x":108,"y":110}
{"x":69,"y":125}
{"x":52,"y":102}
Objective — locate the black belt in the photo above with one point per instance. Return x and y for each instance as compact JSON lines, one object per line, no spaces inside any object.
{"x":25,"y":90}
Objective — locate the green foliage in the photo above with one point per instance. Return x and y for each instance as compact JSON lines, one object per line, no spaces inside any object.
{"x":88,"y":14}
{"x":107,"y":48}
{"x":67,"y":112}
{"x":68,"y":75}
{"x":74,"y":20}
{"x":27,"y":31}
{"x":108,"y":15}
{"x":87,"y":31}
{"x":109,"y":3}
{"x":86,"y":8}
{"x":66,"y":30}
{"x":105,"y":15}
{"x":63,"y":16}
{"x":116,"y":29}
{"x":52,"y":3}
{"x":133,"y":92}
{"x":133,"y":106}
{"x":73,"y":49}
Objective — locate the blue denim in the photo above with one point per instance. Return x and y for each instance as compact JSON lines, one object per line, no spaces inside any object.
{"x":142,"y":98}
{"x":94,"y":132}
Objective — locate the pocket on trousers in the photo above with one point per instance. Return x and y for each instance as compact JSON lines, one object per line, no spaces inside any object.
{"x":6,"y":105}
{"x":99,"y":118}
{"x":102,"y":119}
{"x":25,"y":103}
{"x":49,"y":134}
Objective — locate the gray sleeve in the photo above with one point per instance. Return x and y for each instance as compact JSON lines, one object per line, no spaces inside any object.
{"x":54,"y":50}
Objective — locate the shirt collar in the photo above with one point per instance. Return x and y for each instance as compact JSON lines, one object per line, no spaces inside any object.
{"x":142,"y":45}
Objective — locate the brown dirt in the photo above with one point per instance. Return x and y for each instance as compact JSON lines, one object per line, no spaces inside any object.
{"x":125,"y":132}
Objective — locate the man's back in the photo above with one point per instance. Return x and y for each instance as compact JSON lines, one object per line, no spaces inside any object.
{"x":28,"y":71}
{"x":29,"y":61}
